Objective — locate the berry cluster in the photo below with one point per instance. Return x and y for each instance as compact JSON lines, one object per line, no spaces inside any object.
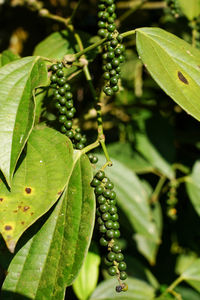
{"x":64,"y":103}
{"x":174,"y":8}
{"x":172,"y":200}
{"x":107,"y":220}
{"x":113,"y":51}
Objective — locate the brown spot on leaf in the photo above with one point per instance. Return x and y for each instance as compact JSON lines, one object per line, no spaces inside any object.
{"x":32,"y":213}
{"x":8,"y":227}
{"x":15,"y":211}
{"x":1,"y":199}
{"x":25,"y":208}
{"x":182,"y":78}
{"x":28,"y":190}
{"x":22,"y":222}
{"x":59,"y":193}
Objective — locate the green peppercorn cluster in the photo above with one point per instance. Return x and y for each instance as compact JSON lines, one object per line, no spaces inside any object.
{"x":107,"y":220}
{"x":172,"y":200}
{"x":64,"y":103}
{"x":113,"y":50}
{"x":174,"y":8}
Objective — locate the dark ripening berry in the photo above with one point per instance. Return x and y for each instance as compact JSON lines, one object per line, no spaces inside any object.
{"x":111,"y":256}
{"x":123,"y":275}
{"x":119,"y":257}
{"x":94,"y":160}
{"x":112,"y":271}
{"x":103,"y":242}
{"x":100,"y":175}
{"x":95,"y":182}
{"x":99,"y":190}
{"x":118,"y":288}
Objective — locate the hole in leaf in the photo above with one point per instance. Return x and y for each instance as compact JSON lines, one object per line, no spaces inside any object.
{"x":25,"y":208}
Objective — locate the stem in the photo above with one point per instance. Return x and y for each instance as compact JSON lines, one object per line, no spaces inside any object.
{"x":75,"y":11}
{"x":159,"y":186}
{"x":91,"y":146}
{"x":172,"y":286}
{"x":127,"y":33}
{"x":93,"y":46}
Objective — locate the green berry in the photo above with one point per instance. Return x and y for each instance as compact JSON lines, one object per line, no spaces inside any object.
{"x":57,"y":105}
{"x":107,"y":262}
{"x":100,"y":221}
{"x":114,"y":217}
{"x":114,"y":80}
{"x":121,"y":58}
{"x":95,"y":182}
{"x":69,"y":104}
{"x":119,"y":257}
{"x":102,"y":229}
{"x":60,"y":73}
{"x":109,"y":185}
{"x":54,"y":67}
{"x":53,"y":78}
{"x":120,"y":38}
{"x":112,"y":209}
{"x":104,"y":208}
{"x":115,"y":62}
{"x":111,"y":55}
{"x":109,"y":224}
{"x":115,"y":88}
{"x":106,"y":216}
{"x":106,"y":76}
{"x":112,"y":202}
{"x":109,"y":66}
{"x":116,"y":248}
{"x":100,"y":175}
{"x":112,"y":195}
{"x":68,"y":95}
{"x":123,"y":275}
{"x":63,"y":129}
{"x":99,"y":190}
{"x":62,"y":119}
{"x":102,"y":32}
{"x":112,"y":271}
{"x":111,"y":256}
{"x":70,"y":134}
{"x":79,"y":146}
{"x":101,"y":24}
{"x":110,"y":10}
{"x":62,"y":100}
{"x":110,"y":233}
{"x":69,"y":115}
{"x":63,"y":110}
{"x":77,"y":136}
{"x":60,"y":65}
{"x":83,"y":140}
{"x":94,"y":160}
{"x":114,"y":43}
{"x":115,"y":225}
{"x":100,"y":199}
{"x":106,"y":194}
{"x":113,"y":72}
{"x":103,"y":242}
{"x":111,"y":27}
{"x":68,"y":124}
{"x":116,"y":234}
{"x":67,"y":87}
{"x":61,"y":91}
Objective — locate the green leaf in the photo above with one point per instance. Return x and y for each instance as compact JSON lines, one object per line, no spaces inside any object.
{"x":18,"y":79}
{"x":56,"y":45}
{"x":59,"y":44}
{"x":174,"y":64}
{"x":8,"y":56}
{"x":187,"y":293}
{"x":133,"y":199}
{"x":37,"y":184}
{"x":193,"y":187}
{"x":192,"y":275}
{"x":137,"y":290}
{"x":184,"y":261}
{"x":52,"y":258}
{"x":87,"y":279}
{"x":191,"y":9}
